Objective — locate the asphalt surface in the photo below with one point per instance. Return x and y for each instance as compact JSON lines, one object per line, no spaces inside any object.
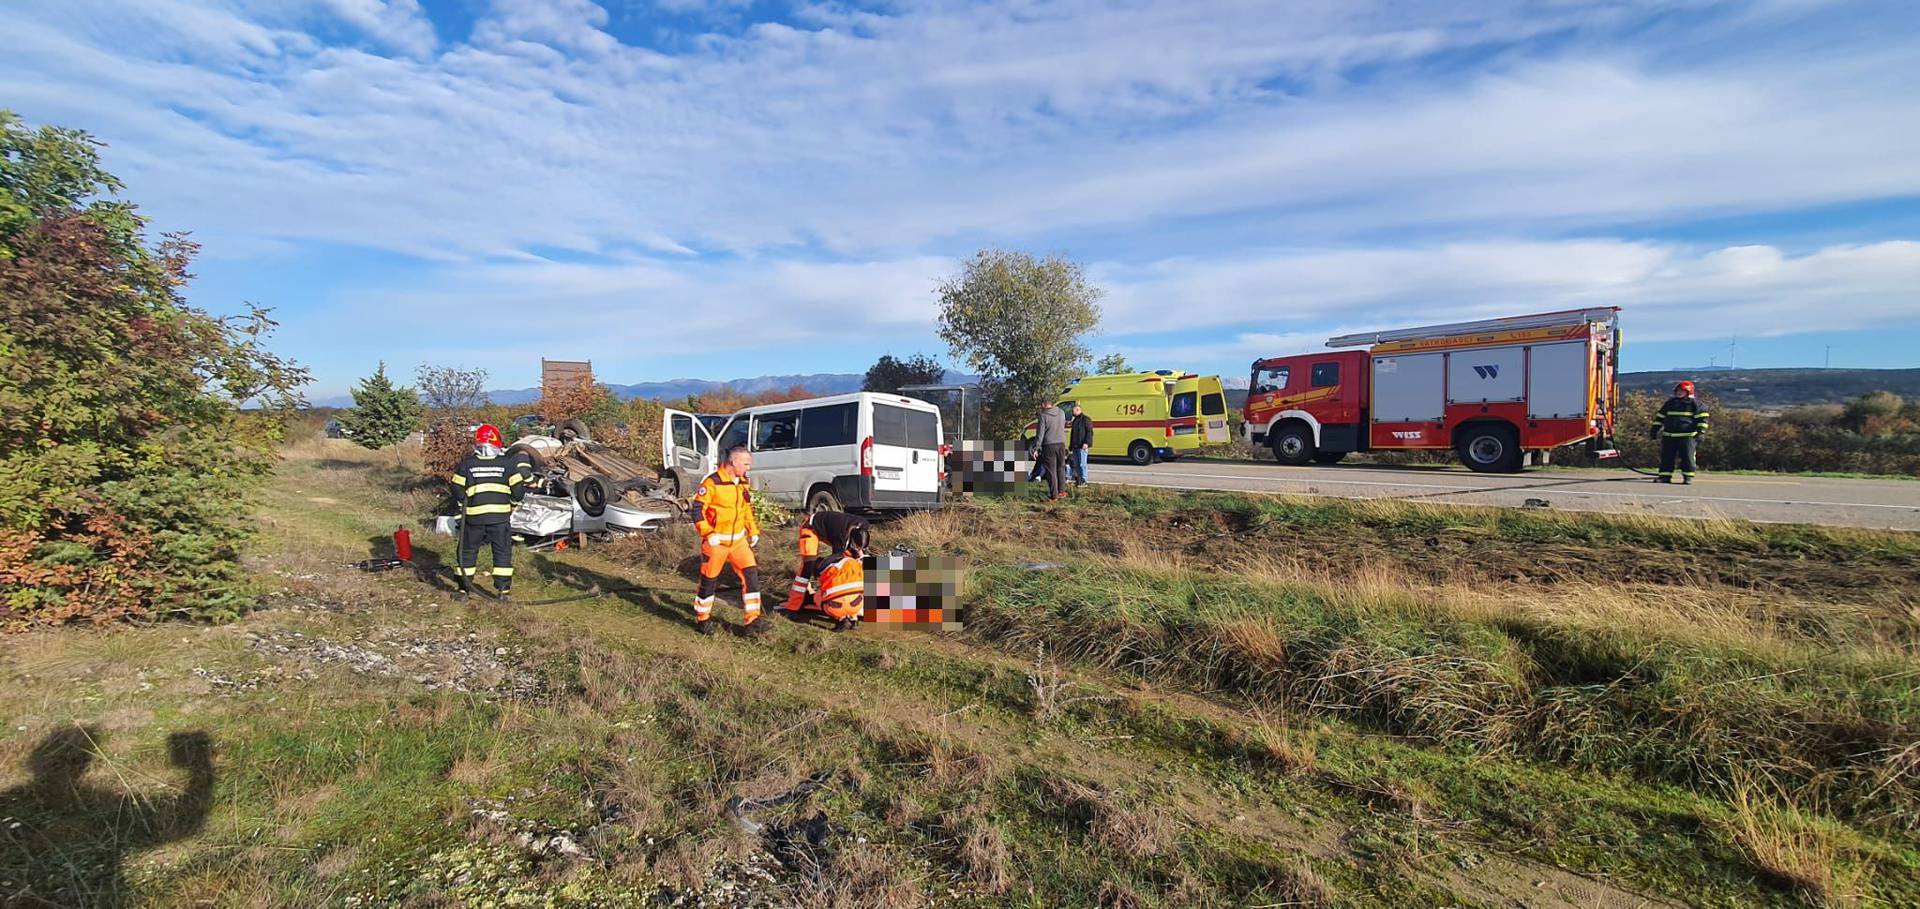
{"x":1884,"y":504}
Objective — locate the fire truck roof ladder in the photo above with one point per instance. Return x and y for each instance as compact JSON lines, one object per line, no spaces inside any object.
{"x":1512,"y":323}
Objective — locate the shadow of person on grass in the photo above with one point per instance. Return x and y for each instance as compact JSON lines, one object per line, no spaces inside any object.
{"x":427,"y":564}
{"x":64,"y":842}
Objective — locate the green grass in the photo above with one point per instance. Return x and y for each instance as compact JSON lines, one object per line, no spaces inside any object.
{"x":1192,"y":733}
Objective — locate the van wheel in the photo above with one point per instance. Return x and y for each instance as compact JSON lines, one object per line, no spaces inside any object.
{"x":1490,"y":448}
{"x":823,"y":500}
{"x":1293,"y":444}
{"x":1140,"y":453}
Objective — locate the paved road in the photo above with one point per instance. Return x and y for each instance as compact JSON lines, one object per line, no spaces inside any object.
{"x":1891,"y":504}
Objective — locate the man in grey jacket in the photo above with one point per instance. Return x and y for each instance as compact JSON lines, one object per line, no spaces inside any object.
{"x":1051,"y":436}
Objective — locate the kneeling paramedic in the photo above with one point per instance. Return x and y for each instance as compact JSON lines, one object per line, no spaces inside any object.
{"x":723,"y":513}
{"x":1679,"y":425}
{"x":841,"y":589}
{"x":823,"y":536}
{"x":487,"y":484}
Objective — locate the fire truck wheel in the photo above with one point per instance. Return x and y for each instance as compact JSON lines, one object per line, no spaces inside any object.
{"x":1293,"y":444}
{"x":1491,"y":448}
{"x":1140,"y":453}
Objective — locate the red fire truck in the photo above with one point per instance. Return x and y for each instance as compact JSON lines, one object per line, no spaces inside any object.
{"x":1492,"y":391}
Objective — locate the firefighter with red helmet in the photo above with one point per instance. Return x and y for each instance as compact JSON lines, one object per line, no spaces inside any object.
{"x":723,"y":513}
{"x":1678,"y":425}
{"x":824,"y":535}
{"x":487,"y":484}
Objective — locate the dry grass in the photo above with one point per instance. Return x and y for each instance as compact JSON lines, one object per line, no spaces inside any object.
{"x":1791,"y":850}
{"x":935,"y":531}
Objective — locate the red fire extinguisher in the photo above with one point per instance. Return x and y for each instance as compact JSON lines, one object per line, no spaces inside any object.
{"x":402,"y":544}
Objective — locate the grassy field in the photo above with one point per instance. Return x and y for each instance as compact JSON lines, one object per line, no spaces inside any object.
{"x":1161,"y":699}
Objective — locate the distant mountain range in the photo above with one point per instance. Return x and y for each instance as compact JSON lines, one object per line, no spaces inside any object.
{"x":820,"y":383}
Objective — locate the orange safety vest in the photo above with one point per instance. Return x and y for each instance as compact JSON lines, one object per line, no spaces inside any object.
{"x":842,"y":590}
{"x":724,"y":507}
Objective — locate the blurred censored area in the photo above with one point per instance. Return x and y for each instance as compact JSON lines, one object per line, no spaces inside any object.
{"x":989,"y":468}
{"x":905,"y":588}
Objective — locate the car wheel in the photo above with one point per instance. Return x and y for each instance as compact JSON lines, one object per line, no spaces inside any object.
{"x":1140,"y":453}
{"x":1292,"y":444}
{"x":576,"y":427}
{"x":593,"y":493}
{"x":1492,"y":448}
{"x":823,"y":500}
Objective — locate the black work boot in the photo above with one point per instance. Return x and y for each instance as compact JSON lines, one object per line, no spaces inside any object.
{"x":756,"y":629}
{"x":707,"y":627}
{"x":465,"y":591}
{"x":503,"y":594}
{"x":847,"y":624}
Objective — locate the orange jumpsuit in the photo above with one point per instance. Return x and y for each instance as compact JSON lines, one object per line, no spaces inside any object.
{"x":842,"y":592}
{"x":723,"y":508}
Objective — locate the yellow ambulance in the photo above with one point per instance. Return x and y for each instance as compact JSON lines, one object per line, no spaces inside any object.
{"x":1142,"y":416}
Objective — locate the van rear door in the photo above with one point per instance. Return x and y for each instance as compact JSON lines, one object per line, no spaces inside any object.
{"x":686,"y":448}
{"x":906,"y":447}
{"x":1213,"y":410}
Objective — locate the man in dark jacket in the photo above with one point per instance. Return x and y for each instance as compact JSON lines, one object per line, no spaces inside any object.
{"x":1079,"y":443}
{"x":1678,"y":425}
{"x":487,"y":484}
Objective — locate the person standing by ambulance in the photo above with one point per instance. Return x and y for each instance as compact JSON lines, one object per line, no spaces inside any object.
{"x":487,"y":484}
{"x":1079,"y":443}
{"x":1050,"y":436}
{"x":723,"y":513}
{"x":1678,"y":425}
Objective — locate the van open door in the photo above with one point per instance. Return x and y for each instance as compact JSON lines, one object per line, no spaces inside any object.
{"x":686,"y":451}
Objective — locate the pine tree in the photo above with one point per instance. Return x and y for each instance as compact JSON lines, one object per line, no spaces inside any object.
{"x":382,"y":414}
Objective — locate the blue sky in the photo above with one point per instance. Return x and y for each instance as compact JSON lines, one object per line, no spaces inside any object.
{"x":677,"y":188}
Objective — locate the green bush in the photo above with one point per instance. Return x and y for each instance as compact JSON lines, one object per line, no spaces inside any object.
{"x":124,"y":457}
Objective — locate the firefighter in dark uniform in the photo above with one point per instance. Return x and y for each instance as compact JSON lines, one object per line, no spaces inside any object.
{"x":487,"y":484}
{"x":824,"y":536}
{"x":1678,"y":425}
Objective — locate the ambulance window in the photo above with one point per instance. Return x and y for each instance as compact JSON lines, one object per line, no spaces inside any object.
{"x":1274,"y":378}
{"x":1183,"y":404}
{"x":1326,"y":374}
{"x":1213,"y":404}
{"x":834,"y":424}
{"x":776,"y":431}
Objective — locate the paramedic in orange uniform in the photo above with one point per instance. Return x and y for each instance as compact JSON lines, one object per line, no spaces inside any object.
{"x":841,"y":592}
{"x":723,"y":513}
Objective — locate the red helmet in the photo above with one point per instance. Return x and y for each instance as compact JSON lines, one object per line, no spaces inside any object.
{"x":1684,"y":388}
{"x":488,"y":434}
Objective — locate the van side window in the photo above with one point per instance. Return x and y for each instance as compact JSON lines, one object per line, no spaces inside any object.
{"x":1183,"y":404}
{"x":834,"y":424}
{"x":1326,"y":374}
{"x":1273,"y":378}
{"x":683,"y":432}
{"x":776,"y":431}
{"x":736,"y":435}
{"x":1213,"y":404}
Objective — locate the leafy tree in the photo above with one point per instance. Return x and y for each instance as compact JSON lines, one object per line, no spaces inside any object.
{"x":382,"y":414}
{"x":124,"y":456}
{"x":1112,"y":364}
{"x":1873,"y":413}
{"x":888,"y":374}
{"x":1018,"y":322}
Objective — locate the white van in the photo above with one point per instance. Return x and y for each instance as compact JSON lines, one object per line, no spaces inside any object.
{"x":857,"y":452}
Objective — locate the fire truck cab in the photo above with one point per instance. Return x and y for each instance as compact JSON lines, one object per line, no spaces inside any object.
{"x":1491,"y":391}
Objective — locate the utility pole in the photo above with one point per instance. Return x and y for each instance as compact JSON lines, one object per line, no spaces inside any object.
{"x":1733,"y":353}
{"x":1829,"y":363}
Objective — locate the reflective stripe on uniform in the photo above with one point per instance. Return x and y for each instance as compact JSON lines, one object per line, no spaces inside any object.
{"x":459,"y":480}
{"x":703,"y":606}
{"x":842,"y":589}
{"x":479,"y":488}
{"x":469,"y":570}
{"x":500,"y":572}
{"x":489,"y":509}
{"x":516,"y":480}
